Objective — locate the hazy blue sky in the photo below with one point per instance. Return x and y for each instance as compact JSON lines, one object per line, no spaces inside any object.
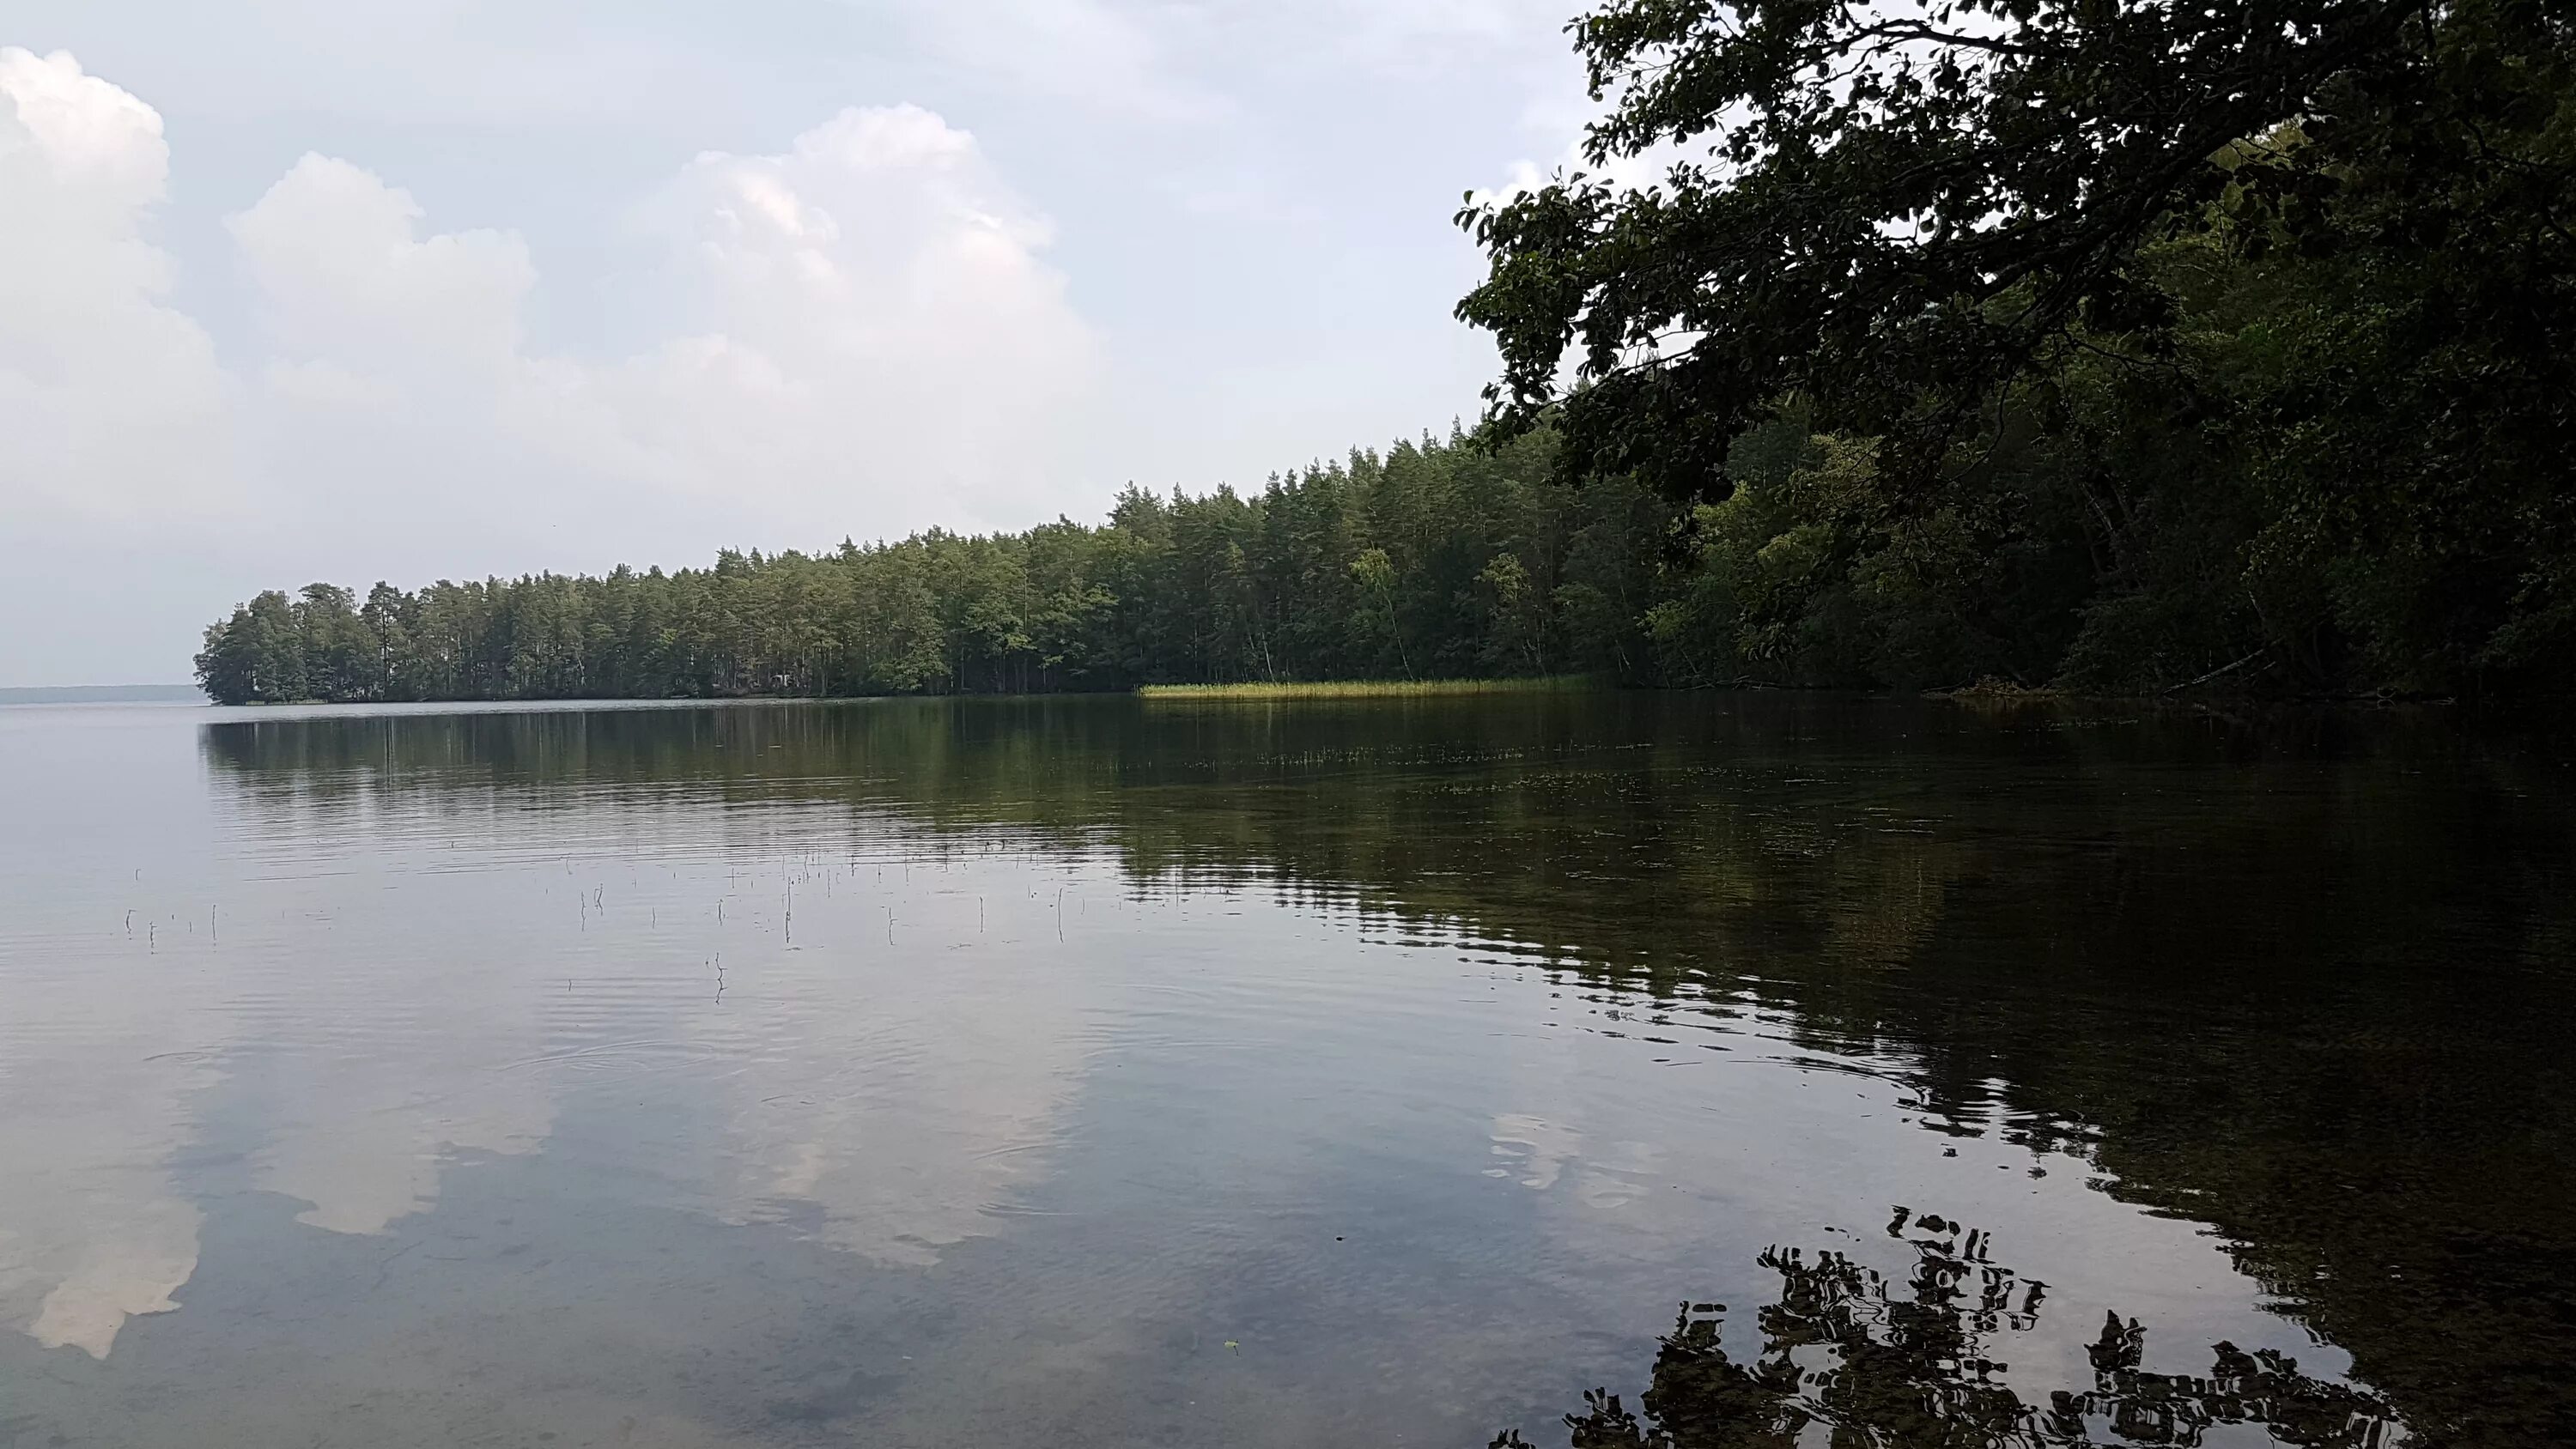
{"x":416,"y":288}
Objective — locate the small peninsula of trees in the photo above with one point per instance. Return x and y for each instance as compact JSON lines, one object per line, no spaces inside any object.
{"x":2121,"y":347}
{"x":1437,"y":559}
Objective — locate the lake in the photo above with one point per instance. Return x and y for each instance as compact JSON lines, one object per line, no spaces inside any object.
{"x":1116,"y":1071}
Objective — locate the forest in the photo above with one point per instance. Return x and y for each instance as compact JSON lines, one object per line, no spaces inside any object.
{"x":1431,"y":560}
{"x":2122,"y":350}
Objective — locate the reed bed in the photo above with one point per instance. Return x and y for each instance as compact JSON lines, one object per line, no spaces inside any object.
{"x":1370,"y":688}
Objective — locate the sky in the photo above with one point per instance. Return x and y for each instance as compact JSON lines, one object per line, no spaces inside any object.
{"x":353,"y":290}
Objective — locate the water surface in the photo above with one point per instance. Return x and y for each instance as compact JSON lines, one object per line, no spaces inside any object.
{"x":1737,"y":1069}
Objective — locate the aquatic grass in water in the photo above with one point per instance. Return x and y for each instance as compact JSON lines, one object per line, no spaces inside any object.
{"x":1375,"y":688}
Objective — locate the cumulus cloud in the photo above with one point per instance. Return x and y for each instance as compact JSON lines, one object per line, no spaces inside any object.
{"x":872,"y":298}
{"x":110,"y":400}
{"x":342,"y":273}
{"x":866,"y":338}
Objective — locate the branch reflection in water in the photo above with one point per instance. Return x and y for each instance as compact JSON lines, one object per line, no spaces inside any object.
{"x":1845,"y":1361}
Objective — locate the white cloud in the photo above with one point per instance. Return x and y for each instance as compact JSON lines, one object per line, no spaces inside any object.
{"x":872,"y":299}
{"x":110,"y":400}
{"x":1646,"y":171}
{"x":342,"y":274}
{"x":864,"y":338}
{"x":867,"y":328}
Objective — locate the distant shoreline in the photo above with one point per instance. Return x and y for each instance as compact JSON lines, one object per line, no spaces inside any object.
{"x":102,"y":694}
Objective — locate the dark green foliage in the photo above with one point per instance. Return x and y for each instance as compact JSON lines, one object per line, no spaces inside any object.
{"x":256,"y":656}
{"x":1434,"y":560}
{"x":2195,"y":343}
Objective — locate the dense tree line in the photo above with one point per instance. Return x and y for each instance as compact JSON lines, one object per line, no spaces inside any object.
{"x":2119,"y":347}
{"x":1432,"y":559}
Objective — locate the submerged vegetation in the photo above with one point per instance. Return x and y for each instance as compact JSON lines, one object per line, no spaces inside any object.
{"x":2121,"y":349}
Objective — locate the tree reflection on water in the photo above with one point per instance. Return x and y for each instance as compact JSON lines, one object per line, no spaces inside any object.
{"x":2306,"y":977}
{"x":1846,"y":1362}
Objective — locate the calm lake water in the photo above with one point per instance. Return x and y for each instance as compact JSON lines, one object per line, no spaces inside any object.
{"x":1117,"y":1072}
